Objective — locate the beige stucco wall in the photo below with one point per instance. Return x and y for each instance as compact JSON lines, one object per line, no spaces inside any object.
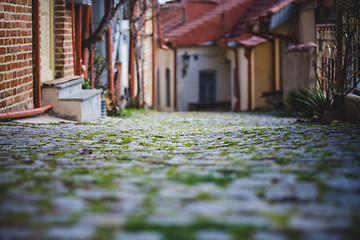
{"x":164,"y":60}
{"x":297,"y":66}
{"x":261,"y":57}
{"x":209,"y":58}
{"x":243,"y":78}
{"x":307,"y":26}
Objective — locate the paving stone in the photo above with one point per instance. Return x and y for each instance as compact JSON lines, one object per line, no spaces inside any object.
{"x":11,"y":233}
{"x":285,"y":191}
{"x":180,"y":191}
{"x":344,"y":183}
{"x":18,"y":207}
{"x":138,"y":236}
{"x":246,"y":220}
{"x":72,"y":232}
{"x":212,"y":235}
{"x":265,"y":235}
{"x":103,"y":220}
{"x":177,"y":160}
{"x":170,"y":216}
{"x":201,"y":208}
{"x":94,"y":194}
{"x":315,"y":217}
{"x":325,"y":236}
{"x":69,"y":204}
{"x":199,"y":165}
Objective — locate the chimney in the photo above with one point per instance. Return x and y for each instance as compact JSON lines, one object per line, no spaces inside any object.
{"x":183,"y":9}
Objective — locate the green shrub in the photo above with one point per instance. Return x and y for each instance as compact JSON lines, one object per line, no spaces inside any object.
{"x":308,"y":100}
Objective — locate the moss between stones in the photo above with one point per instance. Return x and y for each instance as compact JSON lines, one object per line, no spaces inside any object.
{"x":187,"y":232}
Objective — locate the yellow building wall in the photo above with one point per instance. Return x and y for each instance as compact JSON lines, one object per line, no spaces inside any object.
{"x":261,"y":57}
{"x":243,"y":79}
{"x":164,"y":60}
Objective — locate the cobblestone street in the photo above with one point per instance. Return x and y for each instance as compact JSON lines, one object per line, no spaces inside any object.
{"x":180,"y":176}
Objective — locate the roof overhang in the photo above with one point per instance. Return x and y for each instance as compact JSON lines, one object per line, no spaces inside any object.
{"x":85,"y":2}
{"x":250,"y":41}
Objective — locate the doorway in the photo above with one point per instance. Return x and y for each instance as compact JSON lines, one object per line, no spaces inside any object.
{"x":47,"y":42}
{"x":207,"y":88}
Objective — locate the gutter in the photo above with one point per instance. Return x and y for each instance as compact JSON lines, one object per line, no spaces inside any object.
{"x":25,"y":113}
{"x":36,"y":52}
{"x":153,"y":55}
{"x":237,"y":84}
{"x":175,"y":79}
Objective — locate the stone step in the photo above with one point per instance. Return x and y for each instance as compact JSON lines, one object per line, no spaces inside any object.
{"x":71,"y":102}
{"x":68,"y":88}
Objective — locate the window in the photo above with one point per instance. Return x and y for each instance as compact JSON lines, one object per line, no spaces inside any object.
{"x":167,"y":76}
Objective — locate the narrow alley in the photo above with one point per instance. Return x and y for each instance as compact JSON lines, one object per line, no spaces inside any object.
{"x":180,"y":176}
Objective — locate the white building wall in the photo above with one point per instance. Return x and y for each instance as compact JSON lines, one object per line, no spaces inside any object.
{"x":230,"y":54}
{"x":123,"y":58}
{"x":209,"y":58}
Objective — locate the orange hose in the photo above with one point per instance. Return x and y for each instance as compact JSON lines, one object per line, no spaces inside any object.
{"x":25,"y":113}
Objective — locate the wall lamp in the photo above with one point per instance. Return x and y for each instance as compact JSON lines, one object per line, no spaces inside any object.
{"x":185,"y":62}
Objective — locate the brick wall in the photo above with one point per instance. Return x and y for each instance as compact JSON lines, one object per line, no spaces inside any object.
{"x":16,"y":72}
{"x":63,"y":39}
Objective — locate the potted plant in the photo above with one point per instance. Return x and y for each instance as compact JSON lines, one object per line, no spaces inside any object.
{"x":337,"y":68}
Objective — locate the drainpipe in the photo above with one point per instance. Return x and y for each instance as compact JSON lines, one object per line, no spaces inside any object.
{"x":153,"y":55}
{"x":273,"y":85}
{"x":109,"y":59}
{"x":24,"y":113}
{"x":85,"y":35}
{"x":132,"y":66}
{"x":175,"y":79}
{"x":110,"y":74}
{"x":248,"y":57}
{"x":73,"y":33}
{"x":36,"y":49}
{"x":78,"y":9}
{"x":91,"y":54}
{"x":238,"y":104}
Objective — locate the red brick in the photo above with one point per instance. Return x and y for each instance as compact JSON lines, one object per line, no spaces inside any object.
{"x":9,"y":101}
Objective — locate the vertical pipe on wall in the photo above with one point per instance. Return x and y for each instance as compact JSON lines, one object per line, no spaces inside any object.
{"x":132,"y":66}
{"x":78,"y":9}
{"x":36,"y":51}
{"x":110,"y":75}
{"x":73,"y":33}
{"x":273,"y":66}
{"x":238,"y":103}
{"x":153,"y":54}
{"x":85,"y":34}
{"x":91,"y":54}
{"x":248,"y":57}
{"x":175,"y":79}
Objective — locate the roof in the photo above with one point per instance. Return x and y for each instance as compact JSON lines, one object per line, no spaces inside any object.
{"x":224,"y":20}
{"x":258,"y":7}
{"x":209,"y":26}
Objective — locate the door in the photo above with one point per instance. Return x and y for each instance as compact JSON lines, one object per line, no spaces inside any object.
{"x":207,"y":89}
{"x":47,"y":43}
{"x":167,"y":76}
